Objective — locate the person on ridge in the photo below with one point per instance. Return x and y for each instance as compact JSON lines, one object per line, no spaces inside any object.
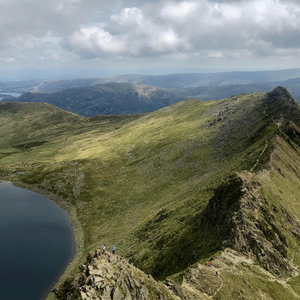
{"x":109,"y":257}
{"x":113,"y":249}
{"x":94,"y":280}
{"x":103,"y":248}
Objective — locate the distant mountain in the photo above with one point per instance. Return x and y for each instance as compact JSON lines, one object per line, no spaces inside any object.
{"x":105,"y":99}
{"x":61,"y":84}
{"x":207,"y":79}
{"x":20,"y":86}
{"x":221,"y":92}
{"x":174,"y":81}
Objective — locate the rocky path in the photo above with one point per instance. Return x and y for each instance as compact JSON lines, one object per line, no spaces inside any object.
{"x":257,"y":161}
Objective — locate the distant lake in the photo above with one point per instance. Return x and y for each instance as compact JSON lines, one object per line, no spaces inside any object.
{"x":9,"y":94}
{"x":36,"y":243}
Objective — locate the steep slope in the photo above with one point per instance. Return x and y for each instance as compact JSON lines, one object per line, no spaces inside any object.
{"x":174,"y":188}
{"x":105,"y":99}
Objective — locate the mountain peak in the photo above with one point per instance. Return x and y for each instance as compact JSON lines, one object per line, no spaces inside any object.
{"x":281,"y":93}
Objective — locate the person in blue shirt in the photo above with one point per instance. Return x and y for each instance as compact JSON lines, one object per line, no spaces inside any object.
{"x":113,"y":249}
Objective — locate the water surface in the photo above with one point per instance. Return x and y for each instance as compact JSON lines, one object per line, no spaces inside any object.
{"x":36,"y":243}
{"x":9,"y":94}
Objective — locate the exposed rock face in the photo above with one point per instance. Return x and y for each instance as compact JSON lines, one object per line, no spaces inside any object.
{"x":115,"y":280}
{"x":258,"y":229}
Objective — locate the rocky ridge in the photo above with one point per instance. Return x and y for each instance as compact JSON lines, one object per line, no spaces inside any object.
{"x":115,"y":279}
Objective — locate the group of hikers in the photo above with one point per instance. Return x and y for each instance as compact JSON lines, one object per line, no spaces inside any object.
{"x":109,"y":256}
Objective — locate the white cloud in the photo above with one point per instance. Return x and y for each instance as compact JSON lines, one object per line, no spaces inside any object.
{"x":96,"y":40}
{"x":135,"y":35}
{"x":180,"y":30}
{"x":212,"y":28}
{"x":9,"y":59}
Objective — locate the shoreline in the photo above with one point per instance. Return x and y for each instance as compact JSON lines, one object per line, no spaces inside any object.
{"x":78,"y":249}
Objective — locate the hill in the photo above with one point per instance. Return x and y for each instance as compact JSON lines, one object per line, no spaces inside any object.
{"x":105,"y":99}
{"x":174,"y":189}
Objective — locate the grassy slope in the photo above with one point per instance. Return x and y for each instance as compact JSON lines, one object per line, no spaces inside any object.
{"x":142,"y":185}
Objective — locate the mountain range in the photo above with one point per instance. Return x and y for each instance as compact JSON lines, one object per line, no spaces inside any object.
{"x":131,"y":94}
{"x":191,"y":183}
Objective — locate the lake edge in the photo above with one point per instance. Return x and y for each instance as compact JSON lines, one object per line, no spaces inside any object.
{"x":72,"y":267}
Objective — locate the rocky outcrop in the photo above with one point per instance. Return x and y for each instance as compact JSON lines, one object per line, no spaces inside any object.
{"x":262,"y":228}
{"x":115,"y":280}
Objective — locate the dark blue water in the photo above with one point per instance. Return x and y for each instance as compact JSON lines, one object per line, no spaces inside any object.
{"x":36,"y":243}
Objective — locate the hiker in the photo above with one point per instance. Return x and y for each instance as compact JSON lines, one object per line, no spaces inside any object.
{"x":109,"y":257}
{"x":83,"y":289}
{"x":113,"y":249}
{"x":94,"y":280}
{"x":103,"y":248}
{"x":217,"y":273}
{"x":208,"y":264}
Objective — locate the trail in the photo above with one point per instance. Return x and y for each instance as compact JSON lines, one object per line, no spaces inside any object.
{"x":65,"y":140}
{"x":257,"y":161}
{"x":229,"y":260}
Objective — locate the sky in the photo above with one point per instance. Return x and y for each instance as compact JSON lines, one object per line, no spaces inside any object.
{"x":102,"y":37}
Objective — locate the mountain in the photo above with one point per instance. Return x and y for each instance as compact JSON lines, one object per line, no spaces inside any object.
{"x":105,"y":99}
{"x":192,"y":183}
{"x":173,"y":81}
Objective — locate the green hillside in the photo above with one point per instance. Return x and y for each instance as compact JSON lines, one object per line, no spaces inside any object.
{"x":173,"y":188}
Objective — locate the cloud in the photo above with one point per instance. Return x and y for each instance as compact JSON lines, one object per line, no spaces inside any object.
{"x":134,"y":34}
{"x":213,"y":28}
{"x":67,"y":30}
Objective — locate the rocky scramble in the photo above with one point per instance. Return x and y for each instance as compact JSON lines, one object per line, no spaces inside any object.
{"x":120,"y":280}
{"x":116,"y":280}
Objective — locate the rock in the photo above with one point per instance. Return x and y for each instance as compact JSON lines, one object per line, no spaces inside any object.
{"x":107,"y":293}
{"x":117,"y":295}
{"x":115,"y":284}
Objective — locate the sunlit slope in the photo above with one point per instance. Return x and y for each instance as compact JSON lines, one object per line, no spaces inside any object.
{"x":143,"y":183}
{"x":25,"y":126}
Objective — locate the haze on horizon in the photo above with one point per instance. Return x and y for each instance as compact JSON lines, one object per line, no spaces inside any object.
{"x":92,"y":38}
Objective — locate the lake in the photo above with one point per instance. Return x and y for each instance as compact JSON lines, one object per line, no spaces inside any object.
{"x":9,"y":94}
{"x":36,"y":243}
